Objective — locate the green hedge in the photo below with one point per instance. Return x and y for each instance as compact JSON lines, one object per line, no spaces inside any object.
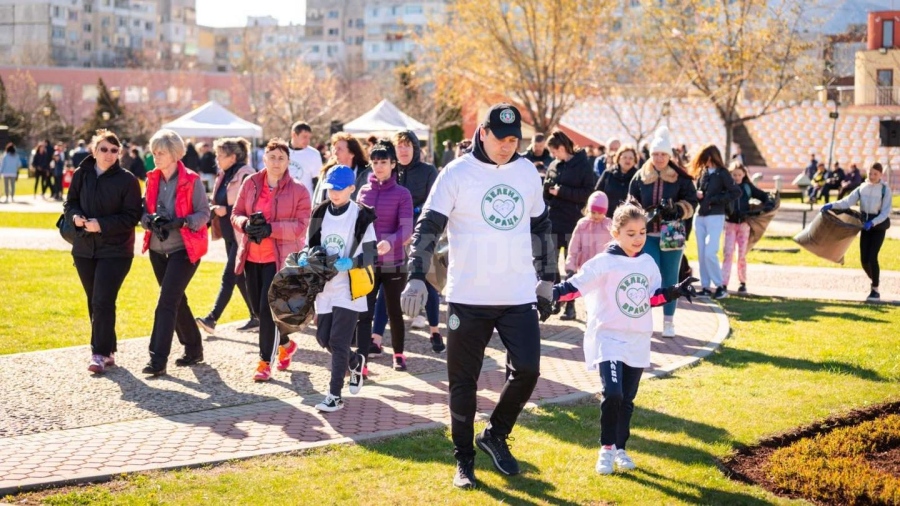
{"x":833,"y":467}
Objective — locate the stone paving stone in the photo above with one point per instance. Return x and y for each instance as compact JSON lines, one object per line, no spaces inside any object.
{"x":215,"y":412}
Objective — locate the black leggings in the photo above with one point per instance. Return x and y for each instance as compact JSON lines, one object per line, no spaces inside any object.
{"x":870,"y":242}
{"x":259,"y":279}
{"x":229,"y":278}
{"x":393,"y":279}
{"x":620,"y":385}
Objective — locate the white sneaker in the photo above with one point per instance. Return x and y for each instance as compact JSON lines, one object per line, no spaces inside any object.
{"x":330,"y":404}
{"x":623,"y":461}
{"x":668,"y":329}
{"x":419,"y":322}
{"x":356,"y":376}
{"x":605,"y":460}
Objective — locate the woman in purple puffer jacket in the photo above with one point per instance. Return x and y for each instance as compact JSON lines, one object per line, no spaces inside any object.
{"x":393,"y":227}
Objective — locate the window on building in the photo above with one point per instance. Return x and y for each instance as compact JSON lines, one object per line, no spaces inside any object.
{"x":221,"y":96}
{"x":315,"y":48}
{"x":374,"y":12}
{"x":333,"y":31}
{"x":393,"y":10}
{"x":124,"y":22}
{"x":59,"y":33}
{"x":887,"y":33}
{"x":349,"y":23}
{"x":88,"y":8}
{"x":136,"y":94}
{"x":54,"y":90}
{"x":87,"y":27}
{"x":359,"y":41}
{"x":58,"y":12}
{"x":148,"y":26}
{"x":105,"y":40}
{"x":332,"y":50}
{"x":104,"y":22}
{"x":414,"y":9}
{"x":333,"y":14}
{"x":73,"y":15}
{"x":375,"y":47}
{"x":360,"y":22}
{"x":89,"y":92}
{"x":87,"y":46}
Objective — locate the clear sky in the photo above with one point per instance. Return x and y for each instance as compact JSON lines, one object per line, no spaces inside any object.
{"x":234,"y":12}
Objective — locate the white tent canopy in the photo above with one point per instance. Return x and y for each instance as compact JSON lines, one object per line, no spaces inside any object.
{"x":213,"y":120}
{"x":384,"y":120}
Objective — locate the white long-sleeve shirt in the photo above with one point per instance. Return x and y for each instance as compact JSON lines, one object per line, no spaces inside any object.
{"x":872,"y":199}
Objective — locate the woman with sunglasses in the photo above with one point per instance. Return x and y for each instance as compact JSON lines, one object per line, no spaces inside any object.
{"x":104,"y":203}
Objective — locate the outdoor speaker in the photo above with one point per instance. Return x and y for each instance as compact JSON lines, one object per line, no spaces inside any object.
{"x":890,"y":133}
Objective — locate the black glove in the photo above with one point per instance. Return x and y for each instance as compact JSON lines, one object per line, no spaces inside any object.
{"x":174,"y":224}
{"x":545,"y":308}
{"x":668,"y":210}
{"x":684,"y":289}
{"x":157,"y":226}
{"x":258,"y":232}
{"x":569,"y":274}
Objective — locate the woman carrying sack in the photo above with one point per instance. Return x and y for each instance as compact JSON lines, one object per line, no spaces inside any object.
{"x":874,"y":198}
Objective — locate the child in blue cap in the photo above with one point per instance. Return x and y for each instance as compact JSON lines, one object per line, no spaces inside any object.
{"x":344,"y":228}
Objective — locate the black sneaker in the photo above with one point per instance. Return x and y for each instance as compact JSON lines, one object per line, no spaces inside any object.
{"x":497,"y":448}
{"x":704,"y":293}
{"x":874,"y":296}
{"x":356,"y":375}
{"x":742,"y":288}
{"x":399,"y":362}
{"x":207,"y":324}
{"x":465,"y":474}
{"x":186,"y":360}
{"x":154,"y":370}
{"x":437,"y":343}
{"x":721,"y":293}
{"x":375,"y":349}
{"x":253,"y":324}
{"x":569,"y":313}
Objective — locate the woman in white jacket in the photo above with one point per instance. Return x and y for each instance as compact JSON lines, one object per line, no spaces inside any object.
{"x":874,"y":198}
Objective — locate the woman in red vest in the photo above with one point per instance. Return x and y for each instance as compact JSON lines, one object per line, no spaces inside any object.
{"x":265,"y":244}
{"x":175,"y":217}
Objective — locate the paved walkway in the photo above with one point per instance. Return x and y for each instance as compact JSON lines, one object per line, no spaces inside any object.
{"x":65,"y":425}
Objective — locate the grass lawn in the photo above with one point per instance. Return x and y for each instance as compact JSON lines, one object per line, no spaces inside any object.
{"x":29,"y":220}
{"x":786,"y":364}
{"x":889,"y":258}
{"x":44,"y":304}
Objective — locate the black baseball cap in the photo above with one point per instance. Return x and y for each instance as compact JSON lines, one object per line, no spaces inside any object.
{"x":504,"y":120}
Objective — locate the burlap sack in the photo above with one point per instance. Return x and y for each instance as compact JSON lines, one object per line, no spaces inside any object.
{"x":829,"y":235}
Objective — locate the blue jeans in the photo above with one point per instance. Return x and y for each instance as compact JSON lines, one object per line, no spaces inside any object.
{"x":432,"y":310}
{"x":669,"y":263}
{"x":708,"y":232}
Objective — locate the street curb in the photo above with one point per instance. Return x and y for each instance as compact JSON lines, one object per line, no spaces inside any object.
{"x":722,"y":333}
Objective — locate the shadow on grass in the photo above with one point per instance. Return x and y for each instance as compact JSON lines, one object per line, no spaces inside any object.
{"x":698,"y":494}
{"x":738,"y":359}
{"x":776,"y":309}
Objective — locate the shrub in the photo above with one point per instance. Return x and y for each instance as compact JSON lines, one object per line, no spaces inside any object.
{"x":833,"y":467}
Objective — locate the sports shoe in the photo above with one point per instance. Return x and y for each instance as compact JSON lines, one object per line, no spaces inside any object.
{"x":154,"y":370}
{"x":186,"y":360}
{"x":704,"y":293}
{"x":496,"y":447}
{"x":419,"y":322}
{"x":399,"y":362}
{"x":263,"y":372}
{"x":207,"y":324}
{"x":742,"y":288}
{"x":110,"y":360}
{"x":285,"y":354}
{"x":874,"y":296}
{"x":668,"y":329}
{"x":569,"y":312}
{"x":605,"y":460}
{"x":252,"y":324}
{"x":376,"y":348}
{"x":465,"y":474}
{"x":365,"y":372}
{"x":356,"y":375}
{"x":437,"y":342}
{"x":97,"y":364}
{"x":623,"y":461}
{"x":330,"y":404}
{"x":721,"y":293}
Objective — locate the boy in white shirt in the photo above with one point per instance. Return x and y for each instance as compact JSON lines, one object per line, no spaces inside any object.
{"x":306,"y":161}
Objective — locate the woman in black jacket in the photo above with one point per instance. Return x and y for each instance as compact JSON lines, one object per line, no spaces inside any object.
{"x":615,"y":179}
{"x":661,"y":185}
{"x":569,"y":182}
{"x":715,"y":190}
{"x":104,"y":203}
{"x":737,"y":230}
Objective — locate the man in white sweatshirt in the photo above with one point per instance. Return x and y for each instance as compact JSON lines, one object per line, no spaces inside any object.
{"x":305,"y":161}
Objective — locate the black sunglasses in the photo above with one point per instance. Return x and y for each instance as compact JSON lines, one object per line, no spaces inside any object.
{"x":109,"y":150}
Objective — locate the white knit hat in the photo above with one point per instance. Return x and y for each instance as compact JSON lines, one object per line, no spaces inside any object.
{"x":662,"y":142}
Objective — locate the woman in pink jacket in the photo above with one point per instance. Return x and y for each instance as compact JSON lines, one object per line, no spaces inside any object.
{"x":590,"y":237}
{"x":280,"y":211}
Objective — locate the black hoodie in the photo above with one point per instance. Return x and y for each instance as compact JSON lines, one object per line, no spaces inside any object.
{"x":575,"y":178}
{"x":114,"y":200}
{"x":417,"y":177}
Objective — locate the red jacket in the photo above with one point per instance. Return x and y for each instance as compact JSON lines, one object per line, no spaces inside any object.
{"x":290,"y":216}
{"x":195,"y":242}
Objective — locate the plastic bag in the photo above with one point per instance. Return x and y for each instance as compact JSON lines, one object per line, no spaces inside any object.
{"x":829,"y":235}
{"x":292,"y":294}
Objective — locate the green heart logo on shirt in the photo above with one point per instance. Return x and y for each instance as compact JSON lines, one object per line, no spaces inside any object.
{"x":636,"y":295}
{"x":504,"y":207}
{"x":632,"y":295}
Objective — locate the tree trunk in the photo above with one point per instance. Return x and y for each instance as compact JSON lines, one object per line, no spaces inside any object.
{"x":729,"y":135}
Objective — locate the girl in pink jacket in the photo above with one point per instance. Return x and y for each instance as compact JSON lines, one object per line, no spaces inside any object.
{"x":590,"y":237}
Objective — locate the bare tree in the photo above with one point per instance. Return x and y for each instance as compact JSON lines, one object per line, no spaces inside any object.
{"x":724,"y":47}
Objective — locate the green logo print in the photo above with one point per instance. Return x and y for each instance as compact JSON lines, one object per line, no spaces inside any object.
{"x":502,"y":207}
{"x":633,"y":295}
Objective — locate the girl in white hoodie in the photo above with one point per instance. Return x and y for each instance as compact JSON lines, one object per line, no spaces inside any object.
{"x":620,"y":287}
